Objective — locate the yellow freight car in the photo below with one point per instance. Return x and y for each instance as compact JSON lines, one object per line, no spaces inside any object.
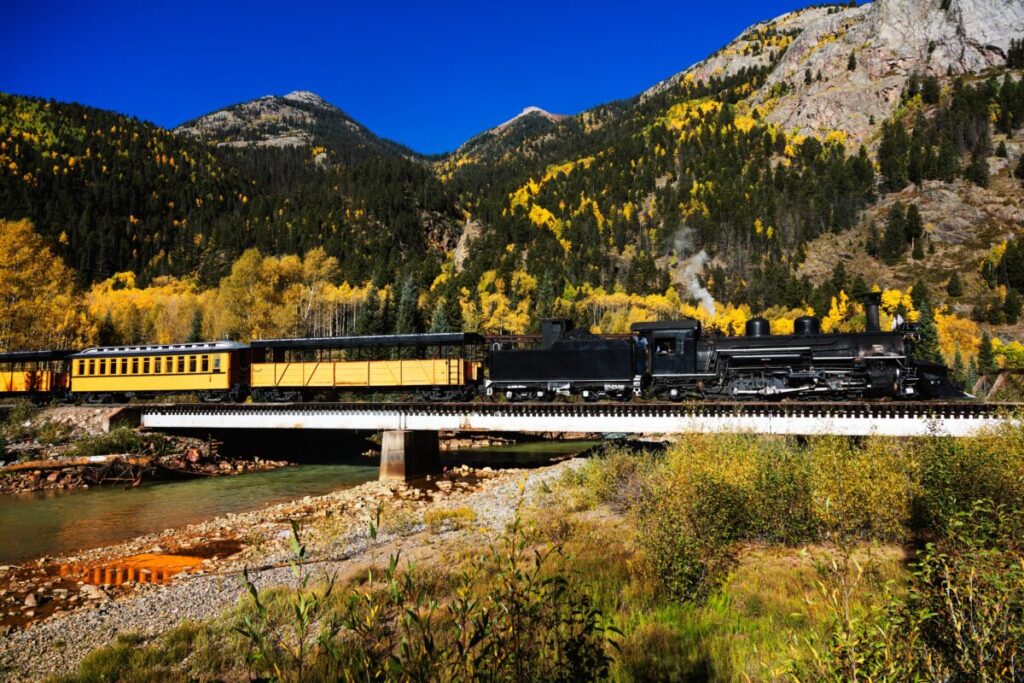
{"x":213,"y":370}
{"x":440,"y":366}
{"x":37,"y":375}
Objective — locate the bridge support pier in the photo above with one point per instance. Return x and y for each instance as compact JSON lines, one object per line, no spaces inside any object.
{"x":407,"y":454}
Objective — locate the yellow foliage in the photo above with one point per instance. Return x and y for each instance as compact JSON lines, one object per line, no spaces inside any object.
{"x":956,"y":333}
{"x":40,"y":308}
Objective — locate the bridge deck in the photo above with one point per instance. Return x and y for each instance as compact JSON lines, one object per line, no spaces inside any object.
{"x":798,"y":418}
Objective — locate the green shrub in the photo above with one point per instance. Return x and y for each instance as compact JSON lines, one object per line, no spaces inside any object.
{"x":970,"y":586}
{"x":783,"y":495}
{"x":962,"y":618}
{"x":20,"y":423}
{"x":863,"y":490}
{"x":955,"y":473}
{"x":506,"y":619}
{"x":120,"y":440}
{"x":615,"y":476}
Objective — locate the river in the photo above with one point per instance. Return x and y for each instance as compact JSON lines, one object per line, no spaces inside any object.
{"x":60,"y":522}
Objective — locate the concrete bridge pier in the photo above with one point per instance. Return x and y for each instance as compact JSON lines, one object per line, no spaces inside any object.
{"x":407,"y":454}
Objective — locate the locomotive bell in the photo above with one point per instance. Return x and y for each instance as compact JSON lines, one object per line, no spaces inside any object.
{"x":806,"y":325}
{"x":758,"y":327}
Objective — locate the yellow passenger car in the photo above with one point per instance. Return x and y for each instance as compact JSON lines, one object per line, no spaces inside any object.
{"x":213,"y":370}
{"x":37,"y":375}
{"x":439,"y":366}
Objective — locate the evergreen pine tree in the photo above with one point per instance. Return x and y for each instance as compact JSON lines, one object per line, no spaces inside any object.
{"x":196,"y":332}
{"x":1012,"y":306}
{"x":439,"y":318}
{"x":954,"y":287}
{"x":851,"y":63}
{"x":368,"y":317}
{"x":1018,"y":172}
{"x":407,"y":320}
{"x":927,"y":346}
{"x":1001,"y":150}
{"x":920,"y":295}
{"x":917,"y":253}
{"x":894,"y":244}
{"x":977,"y":170}
{"x":913,"y":227}
{"x":958,"y":366}
{"x":873,"y":245}
{"x":986,"y":354}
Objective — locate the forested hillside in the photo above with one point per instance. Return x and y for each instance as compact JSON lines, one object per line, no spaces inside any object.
{"x":820,"y":154}
{"x":114,"y":193}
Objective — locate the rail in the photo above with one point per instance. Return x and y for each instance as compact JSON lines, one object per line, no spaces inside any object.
{"x":961,"y":418}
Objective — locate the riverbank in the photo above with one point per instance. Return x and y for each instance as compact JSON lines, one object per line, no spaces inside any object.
{"x":465,"y":506}
{"x":75,"y":447}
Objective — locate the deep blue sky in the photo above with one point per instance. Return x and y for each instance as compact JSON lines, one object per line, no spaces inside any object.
{"x":427,"y":74}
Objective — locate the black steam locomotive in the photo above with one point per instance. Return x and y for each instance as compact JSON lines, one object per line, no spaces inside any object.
{"x":675,"y":361}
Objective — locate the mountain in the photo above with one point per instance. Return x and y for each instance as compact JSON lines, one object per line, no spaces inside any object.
{"x":531,"y":124}
{"x":113,"y":193}
{"x":300,"y":118}
{"x":774,"y":173}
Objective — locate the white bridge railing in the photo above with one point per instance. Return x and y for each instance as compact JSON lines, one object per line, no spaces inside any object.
{"x":846,"y":419}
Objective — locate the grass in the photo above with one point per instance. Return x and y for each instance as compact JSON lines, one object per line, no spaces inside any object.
{"x":795,"y":538}
{"x":444,"y":519}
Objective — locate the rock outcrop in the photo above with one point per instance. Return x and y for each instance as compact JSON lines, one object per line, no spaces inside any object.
{"x":889,"y":41}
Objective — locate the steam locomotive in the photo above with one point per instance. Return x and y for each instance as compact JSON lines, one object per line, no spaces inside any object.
{"x":671,"y":360}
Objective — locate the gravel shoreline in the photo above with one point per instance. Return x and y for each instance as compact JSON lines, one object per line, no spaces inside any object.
{"x":338,"y":541}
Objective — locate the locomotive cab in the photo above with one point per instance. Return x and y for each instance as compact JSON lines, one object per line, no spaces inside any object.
{"x":671,"y":356}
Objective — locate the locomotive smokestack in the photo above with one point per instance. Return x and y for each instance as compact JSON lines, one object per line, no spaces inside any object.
{"x":871,"y":303}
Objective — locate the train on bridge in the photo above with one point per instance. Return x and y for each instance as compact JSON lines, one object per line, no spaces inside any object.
{"x":667,"y":360}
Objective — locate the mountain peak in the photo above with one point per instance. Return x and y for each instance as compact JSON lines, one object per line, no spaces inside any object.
{"x":305,"y":96}
{"x":527,"y":111}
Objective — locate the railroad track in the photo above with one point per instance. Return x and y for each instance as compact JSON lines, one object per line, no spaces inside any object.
{"x":955,"y":418}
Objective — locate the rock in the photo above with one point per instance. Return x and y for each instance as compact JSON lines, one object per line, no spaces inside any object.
{"x":31,"y":600}
{"x":91,"y":592}
{"x":53,"y":476}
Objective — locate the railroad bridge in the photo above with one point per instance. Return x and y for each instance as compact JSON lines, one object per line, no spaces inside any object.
{"x":410,"y":443}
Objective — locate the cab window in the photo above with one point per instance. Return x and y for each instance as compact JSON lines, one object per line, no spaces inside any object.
{"x":157,"y":365}
{"x":81,"y":367}
{"x":135,"y":366}
{"x":191,"y":363}
{"x":204,"y":363}
{"x":92,"y":367}
{"x":145,"y":366}
{"x":216,"y":363}
{"x":103,"y":366}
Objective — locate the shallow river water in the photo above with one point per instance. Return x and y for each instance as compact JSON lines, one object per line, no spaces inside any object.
{"x":58,"y":522}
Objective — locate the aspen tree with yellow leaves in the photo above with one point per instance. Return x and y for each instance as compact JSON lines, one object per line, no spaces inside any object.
{"x":39,"y":307}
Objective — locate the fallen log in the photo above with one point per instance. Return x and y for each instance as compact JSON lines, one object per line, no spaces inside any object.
{"x":60,"y":463}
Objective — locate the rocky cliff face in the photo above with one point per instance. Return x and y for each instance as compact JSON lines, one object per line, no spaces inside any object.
{"x":890,"y":40}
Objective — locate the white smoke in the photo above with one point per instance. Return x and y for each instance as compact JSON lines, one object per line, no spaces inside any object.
{"x":689,"y":267}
